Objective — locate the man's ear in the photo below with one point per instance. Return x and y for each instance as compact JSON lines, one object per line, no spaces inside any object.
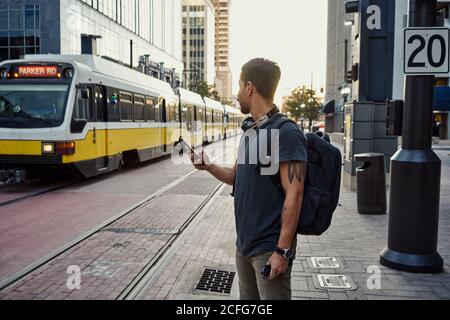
{"x":250,"y":88}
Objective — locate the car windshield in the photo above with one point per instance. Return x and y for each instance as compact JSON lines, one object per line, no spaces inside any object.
{"x":32,"y":105}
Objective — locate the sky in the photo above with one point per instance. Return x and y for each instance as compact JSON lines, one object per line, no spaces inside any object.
{"x":291,"y":32}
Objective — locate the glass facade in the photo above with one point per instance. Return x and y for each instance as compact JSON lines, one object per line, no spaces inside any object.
{"x":19,"y":30}
{"x":56,"y":26}
{"x":152,"y":20}
{"x":153,"y":25}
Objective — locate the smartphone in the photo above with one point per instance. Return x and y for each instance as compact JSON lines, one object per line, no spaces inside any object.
{"x":266,"y":271}
{"x":185,"y":145}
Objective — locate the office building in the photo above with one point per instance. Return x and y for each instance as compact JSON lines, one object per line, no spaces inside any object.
{"x":56,"y":26}
{"x":222,"y":46}
{"x":198,"y":41}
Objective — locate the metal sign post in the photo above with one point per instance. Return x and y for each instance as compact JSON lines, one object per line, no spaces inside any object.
{"x":416,"y":169}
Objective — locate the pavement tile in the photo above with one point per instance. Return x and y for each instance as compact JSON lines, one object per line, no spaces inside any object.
{"x":355,"y":240}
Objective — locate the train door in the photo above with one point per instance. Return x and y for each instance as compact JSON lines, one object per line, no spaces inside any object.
{"x":100,"y":134}
{"x":161,"y":119}
{"x":189,"y":119}
{"x":200,"y":125}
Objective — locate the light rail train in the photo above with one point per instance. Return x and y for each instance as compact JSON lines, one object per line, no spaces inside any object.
{"x":91,"y":115}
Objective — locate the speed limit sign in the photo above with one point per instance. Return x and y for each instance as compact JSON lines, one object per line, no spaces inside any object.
{"x":427,"y":51}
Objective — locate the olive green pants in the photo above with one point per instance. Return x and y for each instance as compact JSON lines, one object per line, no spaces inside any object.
{"x":252,"y":285}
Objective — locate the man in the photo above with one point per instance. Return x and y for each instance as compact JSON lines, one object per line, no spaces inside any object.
{"x":266,"y":219}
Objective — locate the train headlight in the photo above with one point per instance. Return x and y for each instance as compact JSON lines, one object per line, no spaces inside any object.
{"x":68,"y":73}
{"x":48,"y":148}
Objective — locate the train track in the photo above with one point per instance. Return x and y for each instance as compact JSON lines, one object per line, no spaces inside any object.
{"x":137,"y":282}
{"x":134,"y":289}
{"x":37,"y":193}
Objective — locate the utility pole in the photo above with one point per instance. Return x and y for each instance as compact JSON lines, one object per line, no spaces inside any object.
{"x":415,"y":172}
{"x":131,"y":53}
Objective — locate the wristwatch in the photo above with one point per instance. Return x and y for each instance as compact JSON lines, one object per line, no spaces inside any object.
{"x":285,"y":253}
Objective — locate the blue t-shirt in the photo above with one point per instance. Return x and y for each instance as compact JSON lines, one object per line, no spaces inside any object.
{"x":258,"y":201}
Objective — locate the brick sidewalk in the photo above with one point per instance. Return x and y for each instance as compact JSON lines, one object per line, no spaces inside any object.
{"x":354,"y":240}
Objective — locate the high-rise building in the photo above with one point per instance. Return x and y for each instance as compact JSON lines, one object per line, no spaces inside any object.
{"x":198,"y":41}
{"x":339,"y":52}
{"x":56,"y":26}
{"x":339,"y":62}
{"x":223,"y":72}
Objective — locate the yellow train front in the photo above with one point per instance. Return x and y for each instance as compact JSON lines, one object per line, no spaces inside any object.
{"x":77,"y":112}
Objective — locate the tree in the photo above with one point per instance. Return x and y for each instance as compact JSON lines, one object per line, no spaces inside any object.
{"x":227,"y":101}
{"x":205,"y":90}
{"x":303,"y":103}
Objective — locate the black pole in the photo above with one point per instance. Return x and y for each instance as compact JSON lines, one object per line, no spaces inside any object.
{"x":131,"y":54}
{"x":415,"y":173}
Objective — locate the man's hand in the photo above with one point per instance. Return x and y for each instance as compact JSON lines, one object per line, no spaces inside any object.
{"x":279,"y":266}
{"x":201,"y":163}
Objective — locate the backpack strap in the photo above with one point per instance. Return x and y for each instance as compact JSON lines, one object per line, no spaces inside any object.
{"x":277,"y":125}
{"x":276,"y":179}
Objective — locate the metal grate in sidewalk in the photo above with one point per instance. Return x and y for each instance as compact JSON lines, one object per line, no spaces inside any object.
{"x":334,"y":281}
{"x":142,"y":230}
{"x":217,"y":281}
{"x":324,"y":263}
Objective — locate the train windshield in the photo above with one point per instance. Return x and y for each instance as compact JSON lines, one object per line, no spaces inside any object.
{"x":32,"y":105}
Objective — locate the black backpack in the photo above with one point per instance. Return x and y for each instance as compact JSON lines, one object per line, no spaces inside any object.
{"x":322,"y":184}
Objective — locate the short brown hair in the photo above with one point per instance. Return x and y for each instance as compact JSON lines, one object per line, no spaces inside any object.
{"x":264,"y":74}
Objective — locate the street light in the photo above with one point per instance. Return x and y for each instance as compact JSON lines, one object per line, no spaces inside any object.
{"x":345,"y":91}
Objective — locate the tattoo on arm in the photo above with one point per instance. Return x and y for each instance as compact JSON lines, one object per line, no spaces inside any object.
{"x":297,"y":170}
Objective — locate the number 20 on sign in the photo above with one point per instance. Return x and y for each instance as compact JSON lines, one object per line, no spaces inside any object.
{"x":426,"y":51}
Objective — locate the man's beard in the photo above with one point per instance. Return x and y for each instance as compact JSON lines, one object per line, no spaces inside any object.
{"x":244,"y":109}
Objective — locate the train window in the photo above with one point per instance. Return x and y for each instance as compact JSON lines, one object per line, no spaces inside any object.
{"x":139,"y":108}
{"x":184,"y":113}
{"x":100,"y":103}
{"x":188,"y":116}
{"x":161,"y":111}
{"x":200,"y":115}
{"x":126,"y":107}
{"x":173,"y":113}
{"x":83,"y":107}
{"x":2,"y":106}
{"x":150,"y":106}
{"x":112,"y":98}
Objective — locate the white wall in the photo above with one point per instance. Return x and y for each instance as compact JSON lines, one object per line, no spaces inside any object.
{"x":78,"y":18}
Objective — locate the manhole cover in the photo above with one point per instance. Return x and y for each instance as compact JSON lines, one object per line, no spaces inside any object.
{"x":216,"y":281}
{"x":334,"y":281}
{"x":324,"y":263}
